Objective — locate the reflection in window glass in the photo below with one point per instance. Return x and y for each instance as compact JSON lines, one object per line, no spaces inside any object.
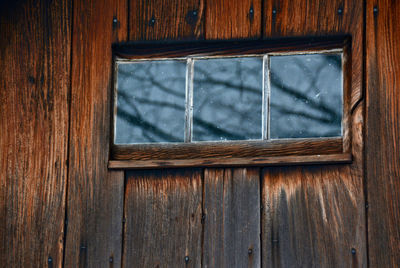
{"x":306,"y":96}
{"x":150,"y":102}
{"x":227,"y":99}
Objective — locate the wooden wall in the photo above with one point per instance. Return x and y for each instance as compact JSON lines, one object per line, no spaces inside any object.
{"x":61,"y":206}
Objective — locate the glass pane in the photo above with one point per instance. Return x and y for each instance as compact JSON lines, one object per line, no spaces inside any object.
{"x":306,"y":96}
{"x":227,"y":99}
{"x":151,"y":102}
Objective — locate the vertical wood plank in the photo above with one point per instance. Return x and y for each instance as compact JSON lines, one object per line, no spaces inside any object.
{"x":315,"y":216}
{"x":166,"y":19}
{"x":288,"y":18}
{"x":34,"y":84}
{"x":95,"y":195}
{"x":227,"y":19}
{"x":163,"y":218}
{"x":383,"y":132}
{"x":231,"y":196}
{"x":232,"y":218}
{"x":163,"y":208}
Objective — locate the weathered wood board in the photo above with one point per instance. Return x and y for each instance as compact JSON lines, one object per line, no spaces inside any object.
{"x":163,"y":212}
{"x":382,"y":144}
{"x":232,"y":218}
{"x":95,"y":195}
{"x":34,"y":82}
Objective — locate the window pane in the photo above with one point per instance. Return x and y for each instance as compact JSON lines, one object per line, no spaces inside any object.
{"x":227,"y":99}
{"x":151,"y":102}
{"x":306,"y":96}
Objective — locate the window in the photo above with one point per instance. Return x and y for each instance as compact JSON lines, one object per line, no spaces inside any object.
{"x":241,"y":103}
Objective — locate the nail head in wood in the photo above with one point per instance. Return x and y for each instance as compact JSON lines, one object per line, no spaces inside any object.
{"x":186,"y":259}
{"x":353,"y":251}
{"x":50,"y":260}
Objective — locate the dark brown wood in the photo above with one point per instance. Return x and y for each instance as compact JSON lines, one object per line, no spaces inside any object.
{"x":227,"y":19}
{"x":231,"y":162}
{"x":165,"y":19}
{"x":232,"y":218}
{"x":315,"y":216}
{"x":95,"y":195}
{"x":34,"y":85}
{"x":228,"y":149}
{"x":383,"y":132}
{"x":289,"y":18}
{"x":170,"y":49}
{"x":163,"y":211}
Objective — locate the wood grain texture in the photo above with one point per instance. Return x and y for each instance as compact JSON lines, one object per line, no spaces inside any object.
{"x":232,"y":162}
{"x":232,"y":218}
{"x":315,"y":216}
{"x":320,"y":18}
{"x":95,"y":195}
{"x":163,"y":218}
{"x":289,"y":147}
{"x":227,"y":19}
{"x":34,"y":84}
{"x":383,"y":132}
{"x":165,"y":19}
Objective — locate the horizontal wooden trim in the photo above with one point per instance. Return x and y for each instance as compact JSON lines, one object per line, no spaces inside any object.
{"x":226,"y":162}
{"x":166,"y":49}
{"x":229,"y":150}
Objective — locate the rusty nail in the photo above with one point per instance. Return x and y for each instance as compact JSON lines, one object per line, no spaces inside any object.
{"x":250,"y":251}
{"x":353,"y":251}
{"x":50,"y":260}
{"x":186,"y":259}
{"x":111,"y":259}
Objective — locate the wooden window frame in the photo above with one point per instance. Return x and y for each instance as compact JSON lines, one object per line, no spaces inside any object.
{"x":236,"y":153}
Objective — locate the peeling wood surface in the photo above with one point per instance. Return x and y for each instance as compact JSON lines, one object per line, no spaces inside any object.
{"x":316,"y":18}
{"x":383,"y":132}
{"x":163,"y":214}
{"x":166,"y":19}
{"x":232,"y":218}
{"x":95,"y":195}
{"x":315,"y":216}
{"x":34,"y":81}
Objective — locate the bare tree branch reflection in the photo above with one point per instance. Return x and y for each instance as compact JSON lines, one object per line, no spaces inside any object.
{"x":217,"y":116}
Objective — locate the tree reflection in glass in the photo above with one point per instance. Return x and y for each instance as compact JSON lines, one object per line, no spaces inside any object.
{"x":151,"y":102}
{"x":306,"y":96}
{"x":227,"y":99}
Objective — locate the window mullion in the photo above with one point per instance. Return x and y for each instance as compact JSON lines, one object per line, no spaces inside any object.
{"x":189,"y":100}
{"x":266,"y":93}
